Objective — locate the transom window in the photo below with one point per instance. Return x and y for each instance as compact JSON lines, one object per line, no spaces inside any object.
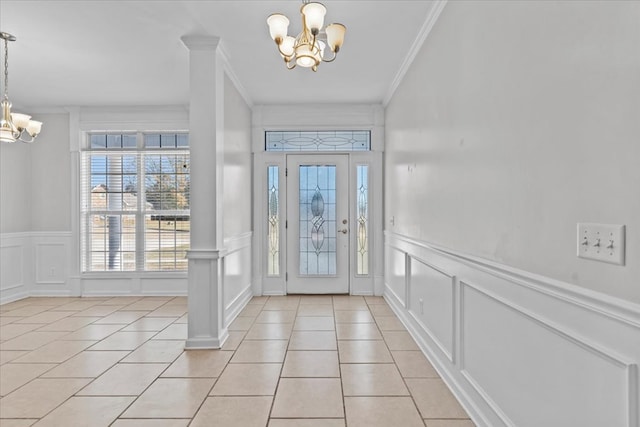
{"x":318,"y":140}
{"x":135,"y":202}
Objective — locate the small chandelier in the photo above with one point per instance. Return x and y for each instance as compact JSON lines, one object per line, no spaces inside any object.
{"x":306,"y":50}
{"x":13,"y":126}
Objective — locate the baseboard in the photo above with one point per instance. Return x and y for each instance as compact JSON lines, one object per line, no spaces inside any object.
{"x":11,"y":297}
{"x":235,"y":307}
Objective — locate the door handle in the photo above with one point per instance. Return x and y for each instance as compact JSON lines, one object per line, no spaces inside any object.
{"x":343,"y":231}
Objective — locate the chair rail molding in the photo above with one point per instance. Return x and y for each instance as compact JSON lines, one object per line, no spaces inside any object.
{"x":490,"y":329}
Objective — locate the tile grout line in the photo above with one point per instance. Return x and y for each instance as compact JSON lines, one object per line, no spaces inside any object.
{"x":128,"y":352}
{"x":413,"y":400}
{"x":275,"y":392}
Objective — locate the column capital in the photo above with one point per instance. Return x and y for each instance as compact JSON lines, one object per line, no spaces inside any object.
{"x":200,"y":42}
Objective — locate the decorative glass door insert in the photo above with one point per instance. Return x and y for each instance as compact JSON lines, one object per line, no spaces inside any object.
{"x":318,"y":229}
{"x":317,"y":220}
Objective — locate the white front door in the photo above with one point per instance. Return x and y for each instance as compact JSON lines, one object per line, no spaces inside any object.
{"x":317,"y":224}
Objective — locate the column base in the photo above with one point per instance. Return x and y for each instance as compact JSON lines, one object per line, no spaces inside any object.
{"x":207,"y":343}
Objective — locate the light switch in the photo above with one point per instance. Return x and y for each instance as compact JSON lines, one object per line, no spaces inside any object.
{"x":601,"y":242}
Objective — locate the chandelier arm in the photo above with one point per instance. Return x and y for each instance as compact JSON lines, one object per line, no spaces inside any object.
{"x":28,"y":141}
{"x":290,"y":67}
{"x":335,"y":55}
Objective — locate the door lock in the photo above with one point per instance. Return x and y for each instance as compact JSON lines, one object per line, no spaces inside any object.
{"x":343,"y":231}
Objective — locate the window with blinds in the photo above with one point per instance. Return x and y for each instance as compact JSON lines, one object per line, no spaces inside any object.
{"x":135,"y":202}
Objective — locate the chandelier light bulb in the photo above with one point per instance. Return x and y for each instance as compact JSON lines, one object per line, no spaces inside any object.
{"x":305,"y":56}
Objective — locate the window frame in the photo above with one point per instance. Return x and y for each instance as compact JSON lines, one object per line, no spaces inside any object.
{"x":87,"y":212}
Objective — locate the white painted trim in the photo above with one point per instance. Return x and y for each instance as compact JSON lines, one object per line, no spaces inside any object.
{"x":237,"y":242}
{"x":391,"y":294}
{"x":50,"y":234}
{"x":407,"y":281}
{"x":233,"y":309}
{"x":206,"y":343}
{"x":412,"y":327}
{"x":623,"y":311}
{"x":432,"y":17}
{"x":609,"y":332}
{"x":450,"y":354}
{"x":373,"y":284}
{"x":205,"y":254}
{"x":14,"y":297}
{"x":16,"y":235}
{"x":608,"y":355}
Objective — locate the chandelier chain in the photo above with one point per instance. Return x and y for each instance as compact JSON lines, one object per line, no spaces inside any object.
{"x":6,"y":69}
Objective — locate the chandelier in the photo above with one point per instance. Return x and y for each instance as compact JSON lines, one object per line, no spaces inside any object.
{"x":308,"y":48}
{"x":13,"y":126}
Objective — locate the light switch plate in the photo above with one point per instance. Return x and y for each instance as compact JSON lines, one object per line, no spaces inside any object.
{"x":601,"y":242}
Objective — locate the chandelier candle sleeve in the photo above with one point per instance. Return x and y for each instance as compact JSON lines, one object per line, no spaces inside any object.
{"x":314,"y":16}
{"x":308,"y":48}
{"x":278,"y":26}
{"x":335,"y":36}
{"x":14,"y":125}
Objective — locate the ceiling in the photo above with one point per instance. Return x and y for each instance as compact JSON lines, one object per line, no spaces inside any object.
{"x":129,"y":53}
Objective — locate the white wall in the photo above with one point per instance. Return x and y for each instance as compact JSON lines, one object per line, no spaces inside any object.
{"x":34,"y":213}
{"x":51,"y":176}
{"x":15,"y":186}
{"x":237,"y":199}
{"x":516,"y":121}
{"x":237,"y":162}
{"x":34,"y":180}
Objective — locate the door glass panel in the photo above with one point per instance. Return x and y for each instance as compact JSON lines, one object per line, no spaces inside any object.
{"x":362,"y":238}
{"x":317,"y":220}
{"x":273,"y":251}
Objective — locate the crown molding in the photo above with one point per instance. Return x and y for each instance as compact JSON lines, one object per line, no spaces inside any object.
{"x":426,"y":28}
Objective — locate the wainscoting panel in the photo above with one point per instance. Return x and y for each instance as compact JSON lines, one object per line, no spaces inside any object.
{"x":396,"y":274}
{"x":518,"y":349}
{"x":237,"y":275}
{"x":52,"y":257}
{"x":584,"y":386}
{"x":51,"y":263}
{"x":431,"y":303}
{"x":14,"y":248}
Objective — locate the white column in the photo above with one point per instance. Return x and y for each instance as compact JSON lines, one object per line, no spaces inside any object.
{"x":206,"y":327}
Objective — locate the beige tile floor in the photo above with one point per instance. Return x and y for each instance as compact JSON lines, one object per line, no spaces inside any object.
{"x":294,"y":361}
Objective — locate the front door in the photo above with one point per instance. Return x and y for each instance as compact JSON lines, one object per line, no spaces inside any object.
{"x":317,"y":224}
